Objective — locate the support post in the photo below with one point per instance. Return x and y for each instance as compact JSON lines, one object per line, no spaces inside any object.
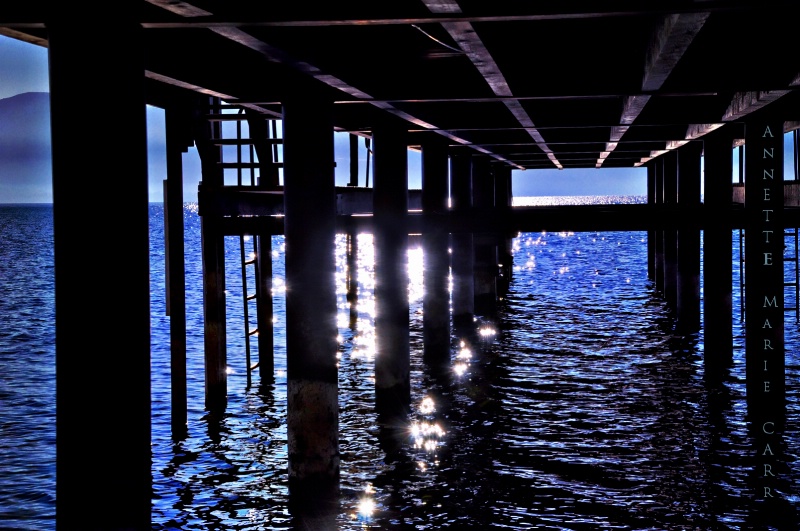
{"x":390,"y":197}
{"x":436,"y":298}
{"x":352,"y":276}
{"x":651,"y":238}
{"x":671,"y":234}
{"x":463,"y":257}
{"x":101,"y":356}
{"x":178,"y":141}
{"x":658,"y":234}
{"x":353,"y":160}
{"x":502,"y":194}
{"x":717,"y":252}
{"x":213,"y":253}
{"x":485,"y":242}
{"x":264,"y":310}
{"x":311,"y":328}
{"x":688,"y":239}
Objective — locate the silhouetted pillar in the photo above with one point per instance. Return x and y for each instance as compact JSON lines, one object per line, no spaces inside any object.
{"x":311,"y":329}
{"x":352,"y":276}
{"x":764,"y":305}
{"x":178,"y":140}
{"x":436,"y":297}
{"x":390,"y":213}
{"x":658,"y":234}
{"x":353,"y":160}
{"x":717,"y":252}
{"x":213,"y":253}
{"x":463,"y":255}
{"x":651,"y":239}
{"x":503,"y":200}
{"x":671,"y":234}
{"x":485,"y":242}
{"x":264,"y":310}
{"x":102,"y":328}
{"x":688,"y":260}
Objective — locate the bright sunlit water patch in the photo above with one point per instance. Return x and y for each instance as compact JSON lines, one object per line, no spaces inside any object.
{"x":579,"y":200}
{"x":427,"y":406}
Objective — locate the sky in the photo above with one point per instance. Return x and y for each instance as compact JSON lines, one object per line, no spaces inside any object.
{"x":23,"y":68}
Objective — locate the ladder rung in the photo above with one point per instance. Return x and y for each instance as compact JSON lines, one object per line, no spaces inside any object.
{"x":251,"y":297}
{"x":254,"y":366}
{"x":245,"y":141}
{"x":253,"y":332}
{"x":250,"y":262}
{"x":247,"y":165}
{"x":227,"y":117}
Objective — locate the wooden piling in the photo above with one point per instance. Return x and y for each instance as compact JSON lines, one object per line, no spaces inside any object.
{"x":264,"y":310}
{"x":213,"y":253}
{"x":658,"y":234}
{"x":311,"y":329}
{"x":435,"y":241}
{"x":102,"y":327}
{"x":717,"y":252}
{"x":463,"y":255}
{"x":688,"y":239}
{"x":485,"y":242}
{"x":671,"y":235}
{"x":178,"y":141}
{"x":390,"y":207}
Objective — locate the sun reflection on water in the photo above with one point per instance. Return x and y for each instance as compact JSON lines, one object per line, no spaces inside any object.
{"x":427,"y":406}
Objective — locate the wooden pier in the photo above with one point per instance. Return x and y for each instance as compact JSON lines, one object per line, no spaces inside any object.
{"x":482,"y":90}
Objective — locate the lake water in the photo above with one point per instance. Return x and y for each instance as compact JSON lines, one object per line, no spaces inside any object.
{"x":578,"y":408}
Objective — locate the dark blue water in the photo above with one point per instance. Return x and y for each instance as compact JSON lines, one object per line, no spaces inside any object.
{"x":27,"y":368}
{"x":579,"y":407}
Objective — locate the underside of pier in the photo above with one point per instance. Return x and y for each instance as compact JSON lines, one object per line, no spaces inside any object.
{"x":481,"y":89}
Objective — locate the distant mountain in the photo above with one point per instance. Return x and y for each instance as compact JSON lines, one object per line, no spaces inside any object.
{"x":25,"y":127}
{"x":25,"y":168}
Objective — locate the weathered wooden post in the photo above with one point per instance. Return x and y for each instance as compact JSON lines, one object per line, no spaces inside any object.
{"x":213,"y":253}
{"x":485,"y":242}
{"x":179,"y":139}
{"x":353,"y":160}
{"x":264,"y":310}
{"x":463,"y":256}
{"x":503,"y":200}
{"x":352,"y":275}
{"x":311,"y":329}
{"x":390,"y":214}
{"x":717,"y":252}
{"x":651,"y":233}
{"x":658,"y":234}
{"x":671,"y":234}
{"x":688,"y":238}
{"x":102,"y":328}
{"x":436,"y":298}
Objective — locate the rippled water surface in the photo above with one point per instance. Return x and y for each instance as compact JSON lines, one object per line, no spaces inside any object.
{"x":27,"y":369}
{"x":578,"y":407}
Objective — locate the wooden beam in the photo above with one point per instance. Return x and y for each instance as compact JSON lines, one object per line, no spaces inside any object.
{"x":671,"y":38}
{"x":469,"y":41}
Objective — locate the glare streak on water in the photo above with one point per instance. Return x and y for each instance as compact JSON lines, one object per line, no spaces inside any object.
{"x":580,"y":407}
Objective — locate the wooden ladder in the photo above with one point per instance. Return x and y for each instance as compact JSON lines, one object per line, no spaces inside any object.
{"x":246,"y":163}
